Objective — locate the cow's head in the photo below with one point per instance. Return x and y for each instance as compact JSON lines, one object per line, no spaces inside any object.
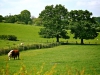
{"x":10,"y":54}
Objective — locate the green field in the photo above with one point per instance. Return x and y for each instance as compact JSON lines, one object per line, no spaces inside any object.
{"x":60,"y":60}
{"x":68,"y":58}
{"x":25,"y":33}
{"x":29,"y":34}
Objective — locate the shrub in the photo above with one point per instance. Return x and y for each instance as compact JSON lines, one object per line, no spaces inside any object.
{"x":8,"y":37}
{"x":12,"y":37}
{"x":3,"y":37}
{"x":30,"y":22}
{"x":18,"y":22}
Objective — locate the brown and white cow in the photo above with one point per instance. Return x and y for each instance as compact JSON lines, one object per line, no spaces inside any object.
{"x":14,"y":54}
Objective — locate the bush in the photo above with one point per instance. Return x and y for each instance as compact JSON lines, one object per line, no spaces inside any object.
{"x":12,"y":37}
{"x":18,"y":22}
{"x":8,"y":37}
{"x":30,"y":22}
{"x":3,"y":37}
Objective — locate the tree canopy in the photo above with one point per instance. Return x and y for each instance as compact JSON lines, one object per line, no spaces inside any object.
{"x":25,"y":16}
{"x":54,"y":19}
{"x":83,"y":26}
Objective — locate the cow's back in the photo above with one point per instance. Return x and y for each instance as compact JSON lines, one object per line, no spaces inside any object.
{"x":15,"y":53}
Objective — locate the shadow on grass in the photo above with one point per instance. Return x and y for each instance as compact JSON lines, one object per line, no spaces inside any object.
{"x":64,"y":43}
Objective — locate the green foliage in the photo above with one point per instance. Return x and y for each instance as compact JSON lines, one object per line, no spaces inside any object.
{"x":17,"y":18}
{"x":1,"y":18}
{"x":98,"y":29}
{"x":54,"y":21}
{"x":97,"y":19}
{"x":8,"y":37}
{"x":37,"y":21}
{"x":83,"y":26}
{"x":9,"y":19}
{"x":28,"y":47}
{"x":25,"y":16}
{"x":19,"y":22}
{"x":30,"y":22}
{"x":12,"y":37}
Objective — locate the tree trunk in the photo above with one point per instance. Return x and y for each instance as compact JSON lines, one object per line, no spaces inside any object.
{"x":82,"y":41}
{"x":57,"y":38}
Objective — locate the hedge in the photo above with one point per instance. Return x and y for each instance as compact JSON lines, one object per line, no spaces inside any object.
{"x":28,"y":47}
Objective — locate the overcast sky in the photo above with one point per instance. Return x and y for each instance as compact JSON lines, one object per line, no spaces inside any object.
{"x":36,"y":6}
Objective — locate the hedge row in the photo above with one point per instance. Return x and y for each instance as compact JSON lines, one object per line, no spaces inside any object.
{"x":8,"y":37}
{"x":28,"y":47}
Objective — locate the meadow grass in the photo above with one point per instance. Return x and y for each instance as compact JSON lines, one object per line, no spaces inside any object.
{"x":25,"y":33}
{"x":28,"y":34}
{"x":61,"y":60}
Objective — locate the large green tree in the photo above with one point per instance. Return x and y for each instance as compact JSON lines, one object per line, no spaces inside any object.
{"x":25,"y":16}
{"x":54,"y":20}
{"x":83,"y":26}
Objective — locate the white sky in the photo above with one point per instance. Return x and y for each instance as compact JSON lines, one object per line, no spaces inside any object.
{"x":36,"y":6}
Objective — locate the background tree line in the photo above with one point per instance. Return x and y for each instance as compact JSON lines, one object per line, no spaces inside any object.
{"x":24,"y":18}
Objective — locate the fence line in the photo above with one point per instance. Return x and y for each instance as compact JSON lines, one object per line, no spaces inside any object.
{"x":41,"y":45}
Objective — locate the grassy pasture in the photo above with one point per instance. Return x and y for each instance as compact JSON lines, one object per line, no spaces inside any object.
{"x":69,"y":60}
{"x":29,"y":34}
{"x":25,"y":33}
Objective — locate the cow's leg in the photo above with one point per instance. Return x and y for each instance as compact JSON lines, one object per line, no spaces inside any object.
{"x":9,"y":58}
{"x":18,"y":56}
{"x":14,"y":57}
